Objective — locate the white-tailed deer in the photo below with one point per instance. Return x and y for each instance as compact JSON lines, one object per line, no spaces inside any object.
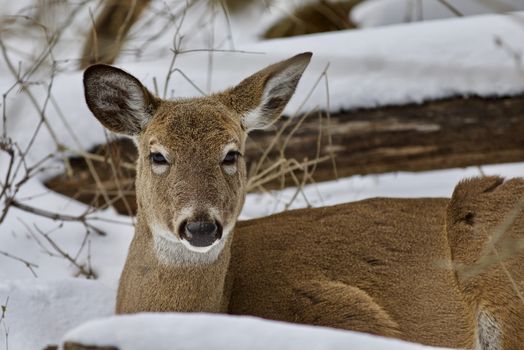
{"x":383,"y":266}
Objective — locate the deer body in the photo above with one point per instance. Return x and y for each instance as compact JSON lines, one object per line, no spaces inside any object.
{"x":328,"y":277}
{"x":353,"y":266}
{"x":382,"y":266}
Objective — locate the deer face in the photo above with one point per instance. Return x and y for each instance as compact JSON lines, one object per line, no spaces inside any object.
{"x":191,"y":173}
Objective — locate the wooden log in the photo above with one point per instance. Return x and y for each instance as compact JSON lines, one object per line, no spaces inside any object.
{"x":449,"y":133}
{"x":455,"y":132}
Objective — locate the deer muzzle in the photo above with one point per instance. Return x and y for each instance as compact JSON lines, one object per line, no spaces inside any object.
{"x":200,"y":233}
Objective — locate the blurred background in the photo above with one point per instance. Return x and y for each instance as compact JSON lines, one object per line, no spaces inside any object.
{"x":84,"y":32}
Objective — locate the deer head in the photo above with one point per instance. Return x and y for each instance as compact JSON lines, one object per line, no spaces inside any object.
{"x":191,"y":173}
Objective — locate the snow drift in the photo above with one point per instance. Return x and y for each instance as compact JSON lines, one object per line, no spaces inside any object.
{"x":218,"y":332}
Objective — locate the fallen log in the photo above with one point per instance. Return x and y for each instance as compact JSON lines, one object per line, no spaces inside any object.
{"x":455,"y":132}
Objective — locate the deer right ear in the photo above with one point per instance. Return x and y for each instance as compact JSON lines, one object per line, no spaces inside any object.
{"x":260,"y":98}
{"x":118,"y":100}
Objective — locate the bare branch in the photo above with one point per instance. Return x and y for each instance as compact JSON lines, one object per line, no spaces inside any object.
{"x":31,"y":266}
{"x":85,"y":271}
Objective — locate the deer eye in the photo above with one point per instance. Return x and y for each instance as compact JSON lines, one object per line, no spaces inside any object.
{"x":157,"y":158}
{"x":230,"y":158}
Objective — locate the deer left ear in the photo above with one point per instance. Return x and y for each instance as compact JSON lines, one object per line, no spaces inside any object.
{"x":118,"y":100}
{"x":261,"y":98}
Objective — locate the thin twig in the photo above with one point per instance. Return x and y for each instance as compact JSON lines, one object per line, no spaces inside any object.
{"x":31,"y":266}
{"x":452,"y":8}
{"x":58,"y":216}
{"x":3,"y":322}
{"x":88,"y":273}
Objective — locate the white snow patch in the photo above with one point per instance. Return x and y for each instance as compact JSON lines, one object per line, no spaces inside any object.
{"x":218,"y":332}
{"x":19,"y":236}
{"x":375,"y":13}
{"x":39,"y":312}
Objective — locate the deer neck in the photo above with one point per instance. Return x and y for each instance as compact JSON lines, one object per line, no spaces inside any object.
{"x":178,"y":279}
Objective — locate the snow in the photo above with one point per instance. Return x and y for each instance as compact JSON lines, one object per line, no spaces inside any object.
{"x":12,"y":7}
{"x":36,"y":303}
{"x":408,"y":63}
{"x":374,"y":13}
{"x":205,"y":25}
{"x":40,"y":311}
{"x":19,"y":236}
{"x":206,"y":331}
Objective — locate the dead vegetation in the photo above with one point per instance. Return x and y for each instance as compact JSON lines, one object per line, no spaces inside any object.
{"x":113,"y":23}
{"x":317,"y":17}
{"x":109,"y":174}
{"x":109,"y":31}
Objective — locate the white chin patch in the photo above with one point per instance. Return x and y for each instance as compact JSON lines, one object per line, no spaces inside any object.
{"x":170,"y":250}
{"x":200,"y":250}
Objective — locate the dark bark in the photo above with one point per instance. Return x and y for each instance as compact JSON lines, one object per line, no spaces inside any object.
{"x":76,"y":346}
{"x":455,"y":132}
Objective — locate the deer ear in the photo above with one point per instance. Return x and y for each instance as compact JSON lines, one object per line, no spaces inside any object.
{"x":118,"y":100}
{"x":260,"y":98}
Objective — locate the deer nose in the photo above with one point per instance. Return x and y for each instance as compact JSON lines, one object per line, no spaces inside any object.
{"x":201,"y":233}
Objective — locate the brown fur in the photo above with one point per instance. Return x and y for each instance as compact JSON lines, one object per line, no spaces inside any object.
{"x":383,"y":266}
{"x":353,"y":266}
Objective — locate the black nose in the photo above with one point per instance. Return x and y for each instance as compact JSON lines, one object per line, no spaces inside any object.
{"x":200,"y":233}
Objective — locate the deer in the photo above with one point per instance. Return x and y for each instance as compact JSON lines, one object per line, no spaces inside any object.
{"x":386,"y":266}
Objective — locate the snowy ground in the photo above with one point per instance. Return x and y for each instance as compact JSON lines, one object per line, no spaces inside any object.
{"x":40,"y":311}
{"x":46,"y":308}
{"x":372,"y":67}
{"x":161,"y":331}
